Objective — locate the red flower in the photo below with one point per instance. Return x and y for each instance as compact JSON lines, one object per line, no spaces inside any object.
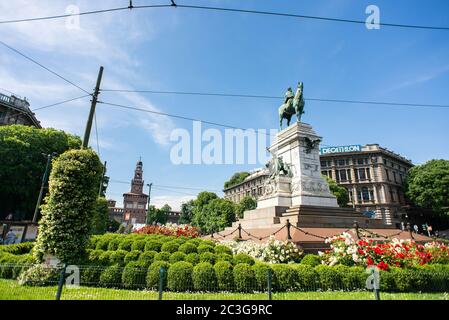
{"x":369,"y":261}
{"x":382,"y":266}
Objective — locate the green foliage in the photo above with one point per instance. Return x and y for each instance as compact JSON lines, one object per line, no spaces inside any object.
{"x":171,"y":247}
{"x":236,"y":179}
{"x":187,"y":248}
{"x":217,"y":215}
{"x":204,"y":277}
{"x":338,"y":191}
{"x":66,"y":216}
{"x":208,"y":257}
{"x":352,"y":278}
{"x":153,"y":245}
{"x":193,"y":258}
{"x":180,"y":276}
{"x":311,"y":260}
{"x":243,"y":258}
{"x":102,"y":244}
{"x":225,"y":275}
{"x":198,"y":205}
{"x":138,"y":245}
{"x":22,"y":165}
{"x":427,"y":185}
{"x":222,"y":249}
{"x":90,"y":275}
{"x":177,"y":256}
{"x":104,"y":257}
{"x":153,"y":275}
{"x":17,"y":249}
{"x":132,"y":256}
{"x":100,"y":217}
{"x":286,"y":277}
{"x":147,"y":257}
{"x":186,"y":213}
{"x":308,"y":278}
{"x":134,"y":275}
{"x":126,"y":244}
{"x":244,"y":278}
{"x":261,"y":275}
{"x":114,"y":244}
{"x":155,"y":215}
{"x":111,"y":277}
{"x":39,"y":275}
{"x":225,"y":257}
{"x":118,"y":257}
{"x":328,"y":277}
{"x":162,"y":256}
{"x":247,"y":203}
{"x":205,"y":248}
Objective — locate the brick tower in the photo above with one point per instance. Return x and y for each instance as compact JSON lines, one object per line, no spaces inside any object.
{"x":135,"y":201}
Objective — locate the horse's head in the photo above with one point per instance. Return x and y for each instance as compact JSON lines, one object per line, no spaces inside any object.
{"x":300,"y":85}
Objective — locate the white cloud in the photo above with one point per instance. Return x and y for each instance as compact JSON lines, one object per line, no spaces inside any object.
{"x":174,"y":202}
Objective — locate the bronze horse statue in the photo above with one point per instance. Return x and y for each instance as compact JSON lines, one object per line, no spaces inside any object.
{"x":293,"y":105}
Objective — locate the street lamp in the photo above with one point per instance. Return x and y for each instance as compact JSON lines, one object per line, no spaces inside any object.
{"x":149,"y":185}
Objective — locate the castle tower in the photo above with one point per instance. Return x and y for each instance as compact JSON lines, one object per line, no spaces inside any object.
{"x":135,"y":201}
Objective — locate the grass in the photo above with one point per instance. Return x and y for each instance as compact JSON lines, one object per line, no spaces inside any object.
{"x":11,"y":290}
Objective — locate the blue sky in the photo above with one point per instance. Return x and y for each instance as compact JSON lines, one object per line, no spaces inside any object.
{"x":190,"y":50}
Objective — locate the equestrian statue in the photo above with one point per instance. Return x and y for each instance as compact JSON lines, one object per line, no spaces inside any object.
{"x":293,"y":105}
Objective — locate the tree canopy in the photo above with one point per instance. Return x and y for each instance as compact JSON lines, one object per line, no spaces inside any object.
{"x":427,"y":186}
{"x":22,"y":165}
{"x":247,"y":203}
{"x":340,"y":192}
{"x":160,"y":216}
{"x":236,"y":179}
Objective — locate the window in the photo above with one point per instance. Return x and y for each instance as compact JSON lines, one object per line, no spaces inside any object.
{"x":349,"y":174}
{"x":388,"y":174}
{"x":360,"y":161}
{"x":323,"y":164}
{"x":362,"y":174}
{"x":391,"y":194}
{"x":394,"y":177}
{"x":368,"y":174}
{"x":342,"y":174}
{"x":341,"y":162}
{"x":365,"y":194}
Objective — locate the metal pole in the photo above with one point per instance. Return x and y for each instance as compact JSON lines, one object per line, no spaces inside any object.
{"x":270,"y":280}
{"x":61,"y":282}
{"x":161,"y":281}
{"x":240,"y":231}
{"x":102,"y":178}
{"x":356,"y":226}
{"x":41,"y":192}
{"x":289,"y":237}
{"x":149,"y":195}
{"x":92,"y":109}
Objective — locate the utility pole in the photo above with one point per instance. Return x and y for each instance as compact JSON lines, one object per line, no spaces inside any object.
{"x":44,"y":181}
{"x":102,"y":180}
{"x":92,"y":109}
{"x":149,"y":195}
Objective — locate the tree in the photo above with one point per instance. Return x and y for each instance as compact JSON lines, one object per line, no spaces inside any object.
{"x":151,"y":214}
{"x":199,"y":203}
{"x":427,"y":186}
{"x":100,"y":217}
{"x":218,"y":214}
{"x":236,"y":179}
{"x":340,"y":192}
{"x":22,"y":165}
{"x":160,"y":216}
{"x":247,"y":203}
{"x":67,"y":213}
{"x":186,"y":212}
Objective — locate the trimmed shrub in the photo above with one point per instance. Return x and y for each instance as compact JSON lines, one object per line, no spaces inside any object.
{"x":170,"y":247}
{"x":261,"y":275}
{"x":195,"y":241}
{"x":209,"y":243}
{"x":138,"y":245}
{"x":220,"y":249}
{"x":244,"y":278}
{"x":125,"y":244}
{"x":328,"y":277}
{"x":103,"y":243}
{"x":352,"y":278}
{"x":243,"y":258}
{"x":153,"y":245}
{"x":177,"y":256}
{"x":162,"y":256}
{"x":147,"y":257}
{"x":205,"y":248}
{"x":90,"y":275}
{"x":311,"y":260}
{"x":104,"y":258}
{"x":134,"y":275}
{"x":132,"y":256}
{"x":153,"y":275}
{"x":187,"y":248}
{"x":118,"y":257}
{"x":208,"y":257}
{"x":286,"y":277}
{"x":111,"y":277}
{"x":180,"y":276}
{"x":225,"y":276}
{"x":94,"y":256}
{"x":18,"y":248}
{"x":114,"y":244}
{"x":224,"y":257}
{"x":204,"y":277}
{"x":387,"y":281}
{"x":308,"y":278}
{"x":411,"y":280}
{"x":39,"y":275}
{"x":193,"y":258}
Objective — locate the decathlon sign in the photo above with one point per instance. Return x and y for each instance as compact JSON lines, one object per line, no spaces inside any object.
{"x":341,"y":149}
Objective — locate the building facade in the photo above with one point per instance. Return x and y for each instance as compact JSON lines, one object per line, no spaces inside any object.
{"x":372,"y":175}
{"x":14,"y":110}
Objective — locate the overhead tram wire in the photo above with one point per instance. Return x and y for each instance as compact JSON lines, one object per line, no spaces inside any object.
{"x":168,"y":187}
{"x":232,"y":95}
{"x":221,"y":9}
{"x":43,"y":67}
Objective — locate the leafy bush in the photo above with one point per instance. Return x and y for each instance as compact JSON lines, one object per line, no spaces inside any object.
{"x":118,"y":257}
{"x":180,"y":276}
{"x":153,"y":245}
{"x":162,"y":256}
{"x":204,"y":277}
{"x":243,"y":258}
{"x":90,"y":275}
{"x":132,"y":256}
{"x":153,"y":275}
{"x":134,"y":275}
{"x":125,"y":244}
{"x":104,"y":258}
{"x":18,"y":249}
{"x":352,"y":278}
{"x":261,"y":275}
{"x":102,"y":243}
{"x":195,"y":241}
{"x":193,"y":258}
{"x":177,"y":256}
{"x":147,"y":257}
{"x":311,"y":260}
{"x":111,"y":277}
{"x":187,"y":248}
{"x":170,"y":247}
{"x":221,"y":249}
{"x":308,"y":278}
{"x":387,"y":281}
{"x":114,"y":244}
{"x":328,"y":277}
{"x":138,"y":245}
{"x":285,"y":276}
{"x":244,"y":278}
{"x":94,"y":256}
{"x":39,"y":275}
{"x":225,"y":257}
{"x":208,"y":257}
{"x":225,"y":276}
{"x":205,"y":248}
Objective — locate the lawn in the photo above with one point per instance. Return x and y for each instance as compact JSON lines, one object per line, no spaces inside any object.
{"x":11,"y":290}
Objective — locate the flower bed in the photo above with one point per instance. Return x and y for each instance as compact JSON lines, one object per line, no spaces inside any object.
{"x":345,"y":250}
{"x":170,"y":230}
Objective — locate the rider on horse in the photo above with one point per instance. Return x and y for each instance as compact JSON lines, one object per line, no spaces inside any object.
{"x":289,"y":95}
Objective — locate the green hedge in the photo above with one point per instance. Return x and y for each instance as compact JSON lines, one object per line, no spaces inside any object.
{"x":18,"y":249}
{"x":225,"y":276}
{"x":204,"y":277}
{"x":118,"y":257}
{"x":220,"y":249}
{"x":286,"y":277}
{"x":193,"y":258}
{"x":170,"y":247}
{"x":311,"y":260}
{"x":111,"y":277}
{"x":180,"y":276}
{"x":153,"y":245}
{"x":153,"y":275}
{"x":205,"y":248}
{"x":208,"y":257}
{"x":243,"y":258}
{"x":177,"y":256}
{"x":188,"y":248}
{"x":162,"y":256}
{"x":134,"y":276}
{"x":261,"y":275}
{"x":138,"y":245}
{"x":147,"y":257}
{"x":244,"y":278}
